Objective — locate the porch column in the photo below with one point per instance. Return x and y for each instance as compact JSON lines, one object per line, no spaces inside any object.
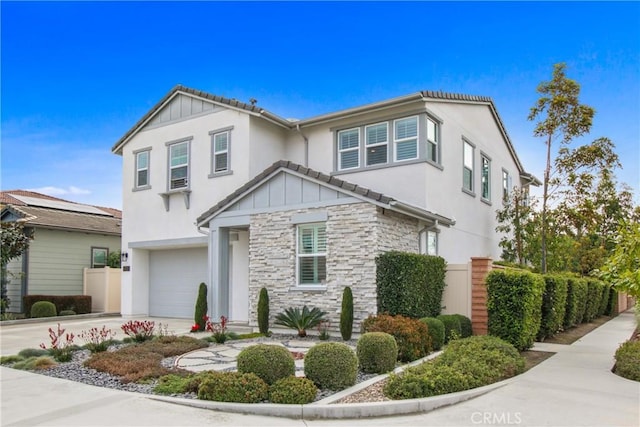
{"x":219,"y":259}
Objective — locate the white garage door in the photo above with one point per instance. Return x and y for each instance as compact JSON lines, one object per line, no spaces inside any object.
{"x":175,"y":276}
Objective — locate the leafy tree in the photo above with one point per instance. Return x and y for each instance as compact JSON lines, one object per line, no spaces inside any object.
{"x":560,"y":115}
{"x":14,"y":240}
{"x":514,"y":219}
{"x":622,"y":268}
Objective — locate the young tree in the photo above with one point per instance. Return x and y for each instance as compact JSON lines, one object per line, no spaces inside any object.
{"x":13,"y":242}
{"x":560,"y":115}
{"x":622,"y":268}
{"x":514,"y":219}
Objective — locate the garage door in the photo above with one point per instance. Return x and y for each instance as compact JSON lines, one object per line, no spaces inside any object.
{"x":174,"y":277}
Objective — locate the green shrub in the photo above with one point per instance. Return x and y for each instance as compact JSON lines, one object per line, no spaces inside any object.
{"x":576,"y":302}
{"x":410,"y":284}
{"x":411,"y":335}
{"x":452,"y":327}
{"x":628,"y":360}
{"x":436,"y":331}
{"x":612,"y":304}
{"x":581,"y":295}
{"x":300,"y":320}
{"x":172,"y":384}
{"x":466,"y":327}
{"x":594,"y":295}
{"x":67,"y":313}
{"x":293,"y":391}
{"x":554,"y":306}
{"x":346,"y":315}
{"x":35,"y":363}
{"x":331,"y":365}
{"x":7,"y":360}
{"x":377,"y":352}
{"x":201,"y":308}
{"x":432,"y":381}
{"x":33,"y":352}
{"x":604,"y":299}
{"x":81,"y":304}
{"x":269,"y":362}
{"x":263,"y":311}
{"x":514,"y":304}
{"x":43,"y":309}
{"x":233,"y":387}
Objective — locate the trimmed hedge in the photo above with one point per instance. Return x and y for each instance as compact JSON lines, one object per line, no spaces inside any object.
{"x":594,"y":295}
{"x":580,"y":295}
{"x":628,"y":360}
{"x":81,"y":304}
{"x":452,"y":327}
{"x":43,"y":309}
{"x":331,"y":365}
{"x":377,"y":352}
{"x":436,"y":331}
{"x":410,"y":284}
{"x":466,"y":327}
{"x":554,"y":306}
{"x":263,"y":311}
{"x":269,"y":362}
{"x":604,"y":299}
{"x":233,"y":387}
{"x":412,"y":335}
{"x":612,"y":304}
{"x":514,"y":304}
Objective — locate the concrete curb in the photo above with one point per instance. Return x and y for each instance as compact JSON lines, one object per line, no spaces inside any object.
{"x":338,"y":411}
{"x":57,"y":318}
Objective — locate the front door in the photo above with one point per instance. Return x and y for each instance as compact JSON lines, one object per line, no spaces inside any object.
{"x":239,"y":276}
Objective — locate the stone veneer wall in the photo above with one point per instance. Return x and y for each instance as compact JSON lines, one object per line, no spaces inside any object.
{"x":356,"y":234}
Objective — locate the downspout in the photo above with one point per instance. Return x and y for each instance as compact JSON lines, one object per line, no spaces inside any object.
{"x":306,"y":146}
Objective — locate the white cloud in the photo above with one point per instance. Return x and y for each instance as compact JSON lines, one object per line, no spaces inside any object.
{"x":58,"y":191}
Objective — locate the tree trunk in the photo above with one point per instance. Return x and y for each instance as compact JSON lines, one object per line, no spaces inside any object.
{"x":545,"y":197}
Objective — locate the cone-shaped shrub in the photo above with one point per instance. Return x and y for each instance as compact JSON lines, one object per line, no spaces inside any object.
{"x":201,"y":307}
{"x":346,"y":316}
{"x":263,"y":311}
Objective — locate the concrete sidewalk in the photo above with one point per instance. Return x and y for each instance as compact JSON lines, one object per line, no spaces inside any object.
{"x":575,"y":387}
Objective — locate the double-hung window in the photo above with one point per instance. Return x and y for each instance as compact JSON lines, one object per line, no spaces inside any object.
{"x":312,"y":254}
{"x":429,"y":242}
{"x":179,"y":165}
{"x":506,"y":185}
{"x":405,"y":138}
{"x":221,"y":152}
{"x":433,"y":139}
{"x":99,"y":257}
{"x":142,"y":169}
{"x":486,"y":178}
{"x":467,"y":166}
{"x":349,"y":149}
{"x":377,"y":142}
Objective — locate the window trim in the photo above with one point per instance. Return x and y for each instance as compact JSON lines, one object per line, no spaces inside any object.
{"x":484,"y":157}
{"x":136,"y":153}
{"x":170,"y":145}
{"x":401,"y":140}
{"x":340,"y":150}
{"x":506,"y":185}
{"x":106,"y":258}
{"x":377,"y":144}
{"x":424,"y":240}
{"x":436,"y":143}
{"x":314,"y":226}
{"x":213,"y":173}
{"x":466,"y":142}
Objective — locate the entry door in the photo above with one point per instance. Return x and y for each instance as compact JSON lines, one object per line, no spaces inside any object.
{"x":239,"y":276}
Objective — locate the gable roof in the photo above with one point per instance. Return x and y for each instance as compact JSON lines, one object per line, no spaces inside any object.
{"x":40,"y":210}
{"x":325,"y":180}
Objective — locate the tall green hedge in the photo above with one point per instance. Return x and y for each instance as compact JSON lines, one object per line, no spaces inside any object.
{"x":604,"y":299}
{"x":514,"y":303}
{"x":580,"y":294}
{"x":554,"y":305}
{"x":571,"y":310}
{"x":612,"y":303}
{"x":594,"y":295}
{"x":410,"y":284}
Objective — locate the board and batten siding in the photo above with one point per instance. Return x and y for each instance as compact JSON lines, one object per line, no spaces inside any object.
{"x":14,"y":285}
{"x":57,"y":259}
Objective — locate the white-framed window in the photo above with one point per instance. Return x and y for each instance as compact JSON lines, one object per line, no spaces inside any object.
{"x":467,"y":166}
{"x":485,"y":179}
{"x":349,"y":149}
{"x":312,"y":254}
{"x":377,"y":143}
{"x":179,"y":165}
{"x":142,"y":169}
{"x":405,"y":138}
{"x":429,"y":242}
{"x":99,"y":257}
{"x":433,"y":140}
{"x":220,"y":154}
{"x":506,"y":185}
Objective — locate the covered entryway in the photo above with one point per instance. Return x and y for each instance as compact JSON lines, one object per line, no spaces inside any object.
{"x":239,"y":275}
{"x":174,"y":278}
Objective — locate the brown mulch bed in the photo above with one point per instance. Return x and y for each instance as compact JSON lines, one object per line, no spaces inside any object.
{"x":574,"y":334}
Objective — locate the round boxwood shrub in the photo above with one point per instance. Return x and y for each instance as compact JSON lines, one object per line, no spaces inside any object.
{"x":293,"y":391}
{"x":412,"y":336}
{"x":452,"y":328}
{"x":377,"y":352}
{"x":436,"y":331}
{"x":269,"y":362}
{"x":466,"y":328}
{"x":233,"y":387}
{"x":331,"y":365}
{"x":628,"y":360}
{"x":43,"y":309}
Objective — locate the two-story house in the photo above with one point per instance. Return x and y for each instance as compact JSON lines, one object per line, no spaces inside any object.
{"x":227,"y":193}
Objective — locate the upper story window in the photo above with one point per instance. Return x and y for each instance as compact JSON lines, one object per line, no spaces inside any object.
{"x":312,"y":254}
{"x":485,"y":181}
{"x":433,"y":138}
{"x":142,"y":169}
{"x":506,"y":185}
{"x":221,"y":152}
{"x":405,"y":138}
{"x":467,"y":166}
{"x":377,"y":142}
{"x":349,"y":149}
{"x":179,"y":165}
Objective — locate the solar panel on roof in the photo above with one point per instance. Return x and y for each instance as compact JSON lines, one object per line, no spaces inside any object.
{"x":64,"y":206}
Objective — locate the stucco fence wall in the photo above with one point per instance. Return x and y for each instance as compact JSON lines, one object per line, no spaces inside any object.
{"x":103,"y":284}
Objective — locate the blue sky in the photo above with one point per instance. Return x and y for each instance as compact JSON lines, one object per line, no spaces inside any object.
{"x":76,"y":76}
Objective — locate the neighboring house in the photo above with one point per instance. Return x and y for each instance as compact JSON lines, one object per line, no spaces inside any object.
{"x":227,"y":193}
{"x":67,"y":237}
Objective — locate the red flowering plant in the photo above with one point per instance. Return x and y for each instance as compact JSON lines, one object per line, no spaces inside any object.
{"x":196,"y":326}
{"x":61,"y":349}
{"x":139,"y":330}
{"x":219,"y":330}
{"x":97,"y":339}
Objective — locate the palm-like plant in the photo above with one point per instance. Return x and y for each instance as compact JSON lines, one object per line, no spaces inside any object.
{"x":300,"y":320}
